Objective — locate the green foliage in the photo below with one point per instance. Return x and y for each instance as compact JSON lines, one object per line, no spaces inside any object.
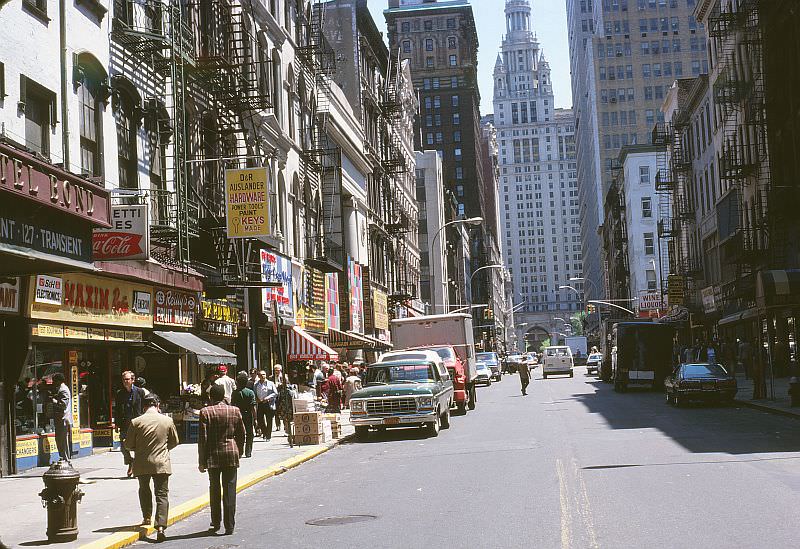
{"x":577,"y":321}
{"x":545,"y":343}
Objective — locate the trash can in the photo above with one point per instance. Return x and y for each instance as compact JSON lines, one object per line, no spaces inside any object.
{"x":61,"y":496}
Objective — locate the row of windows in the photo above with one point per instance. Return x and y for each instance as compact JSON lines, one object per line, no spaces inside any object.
{"x":621,"y":118}
{"x":428,"y":24}
{"x":435,"y":102}
{"x":641,"y":5}
{"x":436,"y":83}
{"x":430,"y":43}
{"x":436,"y":119}
{"x":616,"y":141}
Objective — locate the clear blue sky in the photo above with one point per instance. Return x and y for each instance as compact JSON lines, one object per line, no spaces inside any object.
{"x":549,"y":23}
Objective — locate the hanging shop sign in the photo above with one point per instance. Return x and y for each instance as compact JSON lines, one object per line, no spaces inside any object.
{"x":174,"y":308}
{"x":9,"y":295}
{"x":48,"y":290}
{"x":277,"y":269}
{"x":59,"y":236}
{"x":33,"y":179}
{"x":62,"y":331}
{"x":88,"y":299}
{"x":128,"y":237}
{"x":709,"y":299}
{"x":380,"y":304}
{"x":650,"y":302}
{"x":675,"y":293}
{"x":246,"y":200}
{"x":311,"y":309}
{"x":355,"y":281}
{"x":332,"y":312}
{"x":219,"y":317}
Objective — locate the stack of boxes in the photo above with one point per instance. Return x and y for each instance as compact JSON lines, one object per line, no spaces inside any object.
{"x":311,"y":428}
{"x":336,"y":424}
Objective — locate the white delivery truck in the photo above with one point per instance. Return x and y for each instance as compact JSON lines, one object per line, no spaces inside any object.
{"x":579,"y":349}
{"x":453,"y":330}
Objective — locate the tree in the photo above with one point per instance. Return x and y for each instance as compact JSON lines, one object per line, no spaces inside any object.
{"x":545,"y":343}
{"x":577,"y":322}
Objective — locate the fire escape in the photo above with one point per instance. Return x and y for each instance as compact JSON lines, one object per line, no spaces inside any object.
{"x":321,"y":159}
{"x":744,"y":162}
{"x":158,"y":37}
{"x":668,"y":228}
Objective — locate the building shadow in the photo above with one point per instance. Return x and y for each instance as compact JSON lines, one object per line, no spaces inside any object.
{"x":194,"y":535}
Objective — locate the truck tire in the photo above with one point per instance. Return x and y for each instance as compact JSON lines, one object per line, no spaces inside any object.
{"x":434,"y":426}
{"x":471,"y":404}
{"x":362,"y":432}
{"x":446,"y":419}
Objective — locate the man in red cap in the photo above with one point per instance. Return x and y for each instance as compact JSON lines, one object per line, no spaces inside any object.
{"x":226,"y":382}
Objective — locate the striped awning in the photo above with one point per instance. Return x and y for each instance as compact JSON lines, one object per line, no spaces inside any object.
{"x":303,"y":346}
{"x":349,"y":340}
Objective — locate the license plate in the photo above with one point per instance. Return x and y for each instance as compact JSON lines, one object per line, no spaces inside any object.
{"x":391,"y":421}
{"x":709,"y":386}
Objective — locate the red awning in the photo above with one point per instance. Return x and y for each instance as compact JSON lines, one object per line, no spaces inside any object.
{"x":302,"y":346}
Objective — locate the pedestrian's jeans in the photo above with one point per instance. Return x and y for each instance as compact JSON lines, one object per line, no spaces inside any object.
{"x":223,"y":496}
{"x":126,"y":454}
{"x":64,"y":439}
{"x":265,"y":414}
{"x":248,"y":436}
{"x":524,"y":381}
{"x":161,"y":486}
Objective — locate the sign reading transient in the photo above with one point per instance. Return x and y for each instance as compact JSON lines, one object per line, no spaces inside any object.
{"x":246,"y":199}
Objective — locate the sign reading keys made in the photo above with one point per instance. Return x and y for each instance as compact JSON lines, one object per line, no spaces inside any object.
{"x":247,"y":202}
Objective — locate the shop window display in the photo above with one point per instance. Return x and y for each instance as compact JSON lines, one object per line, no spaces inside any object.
{"x":32,"y":391}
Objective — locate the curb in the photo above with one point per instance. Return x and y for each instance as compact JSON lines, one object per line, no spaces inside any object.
{"x":768,"y":409}
{"x":186,"y":509}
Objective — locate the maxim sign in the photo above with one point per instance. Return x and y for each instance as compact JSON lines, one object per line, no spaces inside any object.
{"x":27,"y":176}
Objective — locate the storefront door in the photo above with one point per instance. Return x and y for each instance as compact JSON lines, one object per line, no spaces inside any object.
{"x":5,"y":439}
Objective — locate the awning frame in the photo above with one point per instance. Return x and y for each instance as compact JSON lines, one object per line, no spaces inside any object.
{"x":206,"y":353}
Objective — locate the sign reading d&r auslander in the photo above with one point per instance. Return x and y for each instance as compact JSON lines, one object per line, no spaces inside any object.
{"x":247,"y":202}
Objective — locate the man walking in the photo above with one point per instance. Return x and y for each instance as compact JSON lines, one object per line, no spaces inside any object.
{"x":245,"y":399}
{"x":62,"y":417}
{"x":524,"y":378}
{"x":226,"y":382}
{"x":266,"y":395}
{"x":220,"y":443}
{"x":150,"y":437}
{"x":127,"y":407}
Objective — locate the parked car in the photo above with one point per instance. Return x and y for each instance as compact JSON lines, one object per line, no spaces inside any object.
{"x":557,"y":360}
{"x":484,"y":374}
{"x":458,"y":373}
{"x":531,"y":360}
{"x":404,"y":392}
{"x":594,"y":363}
{"x":492,"y":360}
{"x":699,"y":381}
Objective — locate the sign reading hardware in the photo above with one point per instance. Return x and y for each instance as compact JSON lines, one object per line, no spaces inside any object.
{"x":128,"y":236}
{"x":247,"y":202}
{"x":88,"y":299}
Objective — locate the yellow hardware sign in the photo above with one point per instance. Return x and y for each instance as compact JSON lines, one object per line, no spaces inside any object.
{"x":247,"y":202}
{"x":380,"y":302}
{"x":675,"y":293}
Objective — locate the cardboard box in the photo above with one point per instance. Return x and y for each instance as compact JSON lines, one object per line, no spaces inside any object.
{"x":308,"y":417}
{"x":302,"y":406}
{"x":305,"y":440}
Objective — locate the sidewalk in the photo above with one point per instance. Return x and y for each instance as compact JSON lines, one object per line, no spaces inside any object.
{"x":109,"y":513}
{"x":779,"y":404}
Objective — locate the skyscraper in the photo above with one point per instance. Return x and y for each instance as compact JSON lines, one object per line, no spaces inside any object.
{"x":624,"y":56}
{"x":538,"y":179}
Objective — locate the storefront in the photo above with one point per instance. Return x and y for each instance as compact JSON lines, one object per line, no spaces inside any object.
{"x":46,"y":221}
{"x":220,"y":321}
{"x":278,"y":308}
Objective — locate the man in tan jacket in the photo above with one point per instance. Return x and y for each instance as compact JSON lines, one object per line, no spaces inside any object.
{"x":151,"y":436}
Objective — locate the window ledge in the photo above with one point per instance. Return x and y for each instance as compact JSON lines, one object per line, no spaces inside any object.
{"x":34,"y":10}
{"x":95,"y":6}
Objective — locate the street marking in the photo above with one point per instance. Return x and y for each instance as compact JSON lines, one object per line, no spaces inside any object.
{"x":583,"y":506}
{"x":566,"y":517}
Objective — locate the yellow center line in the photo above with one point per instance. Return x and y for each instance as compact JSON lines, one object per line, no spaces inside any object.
{"x":566,"y":515}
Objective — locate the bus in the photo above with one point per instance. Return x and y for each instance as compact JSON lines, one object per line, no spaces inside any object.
{"x":641,"y":354}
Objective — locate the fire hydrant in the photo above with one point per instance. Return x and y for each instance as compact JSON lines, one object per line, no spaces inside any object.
{"x":61,"y":496}
{"x":794,"y":391}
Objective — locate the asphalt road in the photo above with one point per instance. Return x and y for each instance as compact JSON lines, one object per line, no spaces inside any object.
{"x":572,"y":465}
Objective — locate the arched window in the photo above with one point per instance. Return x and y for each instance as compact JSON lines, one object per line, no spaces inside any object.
{"x":292,"y":94}
{"x":277,"y":84}
{"x":92,"y":88}
{"x":127,"y":115}
{"x":297,"y":217}
{"x":282,"y":203}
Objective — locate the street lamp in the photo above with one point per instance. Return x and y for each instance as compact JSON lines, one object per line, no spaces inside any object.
{"x":469,"y":221}
{"x":597,"y":302}
{"x":479,"y":269}
{"x":476,"y":306}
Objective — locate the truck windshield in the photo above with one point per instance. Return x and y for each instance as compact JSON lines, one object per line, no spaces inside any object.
{"x":557,"y":351}
{"x":446,"y":353}
{"x":401,"y":373}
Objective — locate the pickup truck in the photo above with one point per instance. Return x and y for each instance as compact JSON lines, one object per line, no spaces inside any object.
{"x":415,"y":390}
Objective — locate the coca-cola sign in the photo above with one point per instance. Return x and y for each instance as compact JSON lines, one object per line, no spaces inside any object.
{"x":175,"y":308}
{"x":128,"y":237}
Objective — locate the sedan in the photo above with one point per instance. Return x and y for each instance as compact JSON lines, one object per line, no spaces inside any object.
{"x":484,"y":376}
{"x":699,"y":381}
{"x":593,"y":363}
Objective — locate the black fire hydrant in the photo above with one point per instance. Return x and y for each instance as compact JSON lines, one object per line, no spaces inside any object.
{"x":794,"y":391}
{"x":61,"y":496}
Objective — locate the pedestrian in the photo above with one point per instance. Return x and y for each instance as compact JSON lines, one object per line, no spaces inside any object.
{"x":127,"y":406}
{"x":760,"y":368}
{"x":61,"y":401}
{"x":324,"y":373}
{"x":150,"y":437}
{"x":334,"y":389}
{"x":279,"y":379}
{"x":746,"y":357}
{"x":711,"y":353}
{"x":141,"y":383}
{"x":220,"y":443}
{"x":245,"y":399}
{"x":251,"y":382}
{"x":351,"y":385}
{"x":266,"y":395}
{"x":524,"y":379}
{"x":226,"y":382}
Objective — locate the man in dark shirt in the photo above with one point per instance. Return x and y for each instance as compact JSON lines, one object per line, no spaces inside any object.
{"x":127,"y":406}
{"x":245,"y":399}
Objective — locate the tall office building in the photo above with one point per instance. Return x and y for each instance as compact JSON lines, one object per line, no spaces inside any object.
{"x":624,"y":56}
{"x":538,"y":179}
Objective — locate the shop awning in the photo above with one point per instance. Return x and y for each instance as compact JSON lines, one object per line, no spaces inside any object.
{"x":23,"y":261}
{"x":379,"y":344}
{"x":207,"y":353}
{"x":778,"y":288}
{"x":304,"y":346}
{"x":736,"y":317}
{"x":349,"y":340}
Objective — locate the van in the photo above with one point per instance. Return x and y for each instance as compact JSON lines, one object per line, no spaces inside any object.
{"x":557,"y":360}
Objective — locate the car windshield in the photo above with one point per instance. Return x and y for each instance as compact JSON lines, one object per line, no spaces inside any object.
{"x":595,"y":356}
{"x":445,"y":353}
{"x":557,"y":351}
{"x":483,"y":366}
{"x":704,"y":370}
{"x":403,"y":356}
{"x":487,"y":357}
{"x":400,"y":373}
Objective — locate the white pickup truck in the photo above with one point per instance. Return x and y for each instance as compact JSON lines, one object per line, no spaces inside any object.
{"x":557,"y":360}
